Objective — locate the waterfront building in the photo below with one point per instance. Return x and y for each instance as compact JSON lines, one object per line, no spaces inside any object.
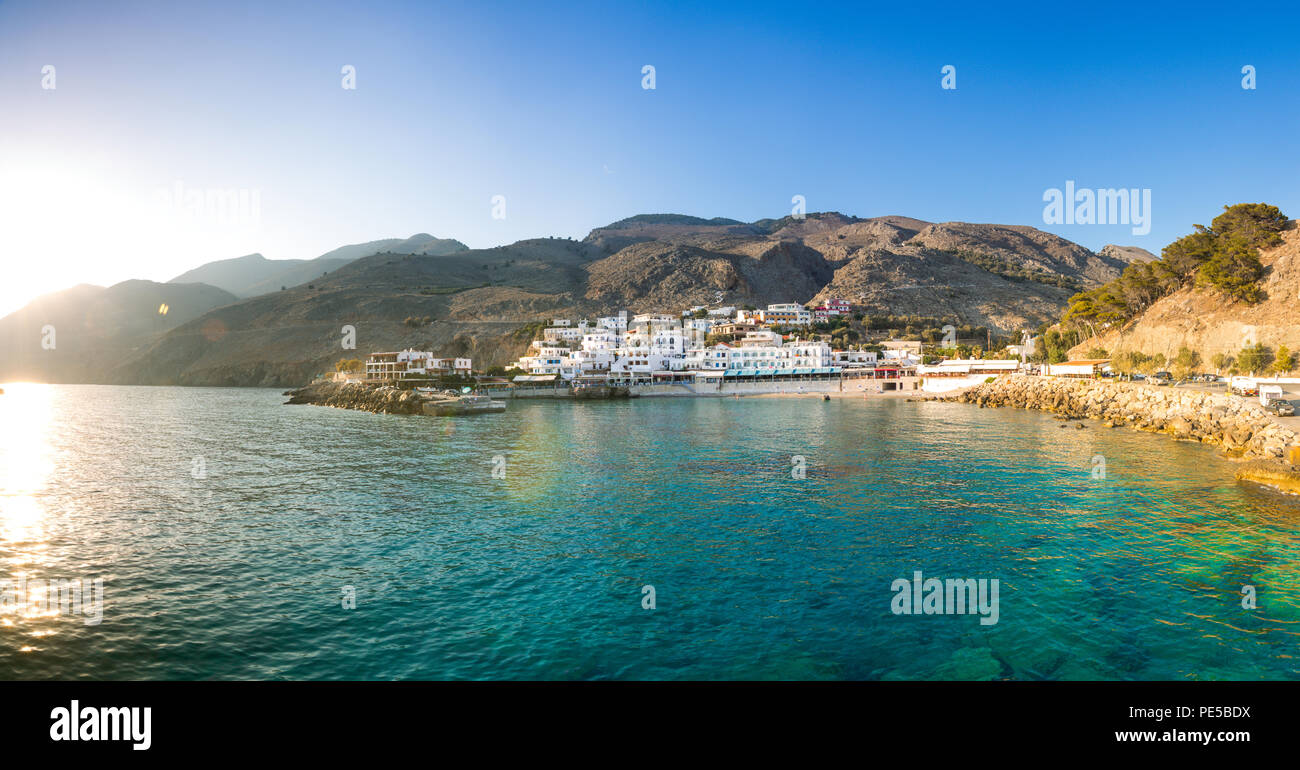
{"x":394,"y":365}
{"x":712,"y":358}
{"x":655,"y":347}
{"x":544,"y":358}
{"x":765,"y":352}
{"x":854,"y":358}
{"x":957,"y":373}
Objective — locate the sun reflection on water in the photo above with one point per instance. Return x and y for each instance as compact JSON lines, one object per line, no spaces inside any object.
{"x":26,"y":464}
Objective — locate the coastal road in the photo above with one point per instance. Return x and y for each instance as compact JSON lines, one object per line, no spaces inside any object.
{"x":1290,"y":392}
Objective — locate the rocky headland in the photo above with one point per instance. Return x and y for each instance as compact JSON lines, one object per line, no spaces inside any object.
{"x":380,"y":399}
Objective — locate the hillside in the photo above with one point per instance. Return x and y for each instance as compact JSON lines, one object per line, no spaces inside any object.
{"x":473,"y":301}
{"x":96,"y":328}
{"x":254,"y":274}
{"x":1209,"y":322}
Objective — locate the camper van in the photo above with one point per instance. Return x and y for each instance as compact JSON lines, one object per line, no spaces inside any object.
{"x":1269,"y":393}
{"x":1243,"y":386}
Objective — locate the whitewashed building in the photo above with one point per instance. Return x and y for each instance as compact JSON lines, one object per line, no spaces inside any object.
{"x":616,"y":323}
{"x":654,"y":345}
{"x":786,"y":314}
{"x":394,"y":365}
{"x":860,"y":358}
{"x":566,"y":331}
{"x":957,"y":373}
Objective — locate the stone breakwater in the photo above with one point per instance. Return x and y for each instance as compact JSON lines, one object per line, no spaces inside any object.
{"x":381,"y":399}
{"x":1240,"y":426}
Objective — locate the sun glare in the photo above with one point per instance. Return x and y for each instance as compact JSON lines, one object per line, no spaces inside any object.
{"x":142,"y":229}
{"x":26,"y":460}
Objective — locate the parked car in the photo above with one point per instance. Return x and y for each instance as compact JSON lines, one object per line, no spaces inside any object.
{"x":1280,"y":408}
{"x":1161,"y":378}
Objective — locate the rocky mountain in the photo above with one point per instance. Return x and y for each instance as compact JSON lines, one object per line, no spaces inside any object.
{"x":83,"y":333}
{"x":474,"y":301}
{"x":1208,"y":322}
{"x":254,"y":274}
{"x":1005,"y":277}
{"x":1128,"y":254}
{"x":423,"y":243}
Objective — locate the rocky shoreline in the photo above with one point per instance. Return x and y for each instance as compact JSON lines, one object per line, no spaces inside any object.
{"x":381,"y":399}
{"x":1240,"y":427}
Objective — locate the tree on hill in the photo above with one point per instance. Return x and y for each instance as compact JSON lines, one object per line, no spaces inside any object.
{"x":1255,"y":358}
{"x":1259,"y":224}
{"x":1183,"y":256}
{"x":1223,"y":256}
{"x":1235,"y":269}
{"x":1285,"y":360}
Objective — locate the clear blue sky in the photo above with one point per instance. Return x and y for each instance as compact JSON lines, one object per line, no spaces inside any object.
{"x":754,"y":103}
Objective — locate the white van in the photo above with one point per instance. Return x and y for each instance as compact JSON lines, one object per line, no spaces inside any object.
{"x":1269,"y":393}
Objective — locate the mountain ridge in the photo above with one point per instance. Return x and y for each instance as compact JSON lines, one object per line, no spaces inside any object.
{"x":253,"y":274}
{"x":472,"y":302}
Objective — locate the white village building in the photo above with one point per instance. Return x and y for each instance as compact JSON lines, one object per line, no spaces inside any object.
{"x":397,"y":364}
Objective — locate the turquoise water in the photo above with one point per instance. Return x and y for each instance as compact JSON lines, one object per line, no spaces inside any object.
{"x":458,"y":574}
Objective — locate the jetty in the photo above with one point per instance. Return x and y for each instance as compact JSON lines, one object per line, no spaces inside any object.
{"x":389,"y":399}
